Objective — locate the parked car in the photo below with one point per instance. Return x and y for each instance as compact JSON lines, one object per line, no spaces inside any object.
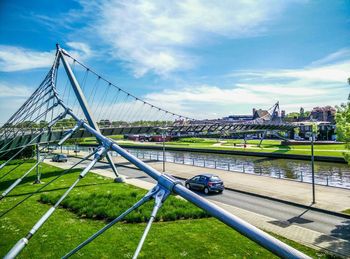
{"x":206,"y":183}
{"x":59,"y":158}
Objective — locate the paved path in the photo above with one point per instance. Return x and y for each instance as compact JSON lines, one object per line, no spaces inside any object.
{"x":311,"y":228}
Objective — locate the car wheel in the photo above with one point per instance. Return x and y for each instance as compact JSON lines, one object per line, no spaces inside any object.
{"x":220,"y":191}
{"x":188,"y":186}
{"x":206,"y":190}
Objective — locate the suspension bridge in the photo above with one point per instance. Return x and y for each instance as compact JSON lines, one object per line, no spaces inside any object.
{"x":70,"y":101}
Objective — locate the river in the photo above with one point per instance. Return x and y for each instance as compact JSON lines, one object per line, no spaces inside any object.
{"x":326,"y":173}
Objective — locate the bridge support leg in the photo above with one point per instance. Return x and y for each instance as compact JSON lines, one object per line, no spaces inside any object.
{"x":118,"y":178}
{"x":262,"y":138}
{"x":85,"y":107}
{"x":38,"y":174}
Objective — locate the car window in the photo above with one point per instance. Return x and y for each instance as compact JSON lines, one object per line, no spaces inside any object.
{"x":203,"y":179}
{"x":195,"y":178}
{"x":215,"y":179}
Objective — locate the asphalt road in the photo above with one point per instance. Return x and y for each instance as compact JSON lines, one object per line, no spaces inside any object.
{"x":284,"y":214}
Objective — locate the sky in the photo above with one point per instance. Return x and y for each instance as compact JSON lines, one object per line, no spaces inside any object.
{"x":202,"y":59}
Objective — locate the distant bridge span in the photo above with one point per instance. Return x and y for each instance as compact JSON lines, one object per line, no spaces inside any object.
{"x":27,"y":137}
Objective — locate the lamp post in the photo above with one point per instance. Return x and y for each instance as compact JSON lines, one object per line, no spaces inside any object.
{"x":163,"y":138}
{"x":313,"y":168}
{"x":314,"y":131}
{"x":38,"y":174}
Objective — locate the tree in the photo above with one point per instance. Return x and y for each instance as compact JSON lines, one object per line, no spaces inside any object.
{"x":342,"y":118}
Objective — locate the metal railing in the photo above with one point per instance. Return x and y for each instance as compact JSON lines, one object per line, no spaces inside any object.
{"x":340,"y":181}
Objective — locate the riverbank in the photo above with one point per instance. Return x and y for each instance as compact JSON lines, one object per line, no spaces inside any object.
{"x":327,"y":198}
{"x":239,"y":152}
{"x":229,"y":151}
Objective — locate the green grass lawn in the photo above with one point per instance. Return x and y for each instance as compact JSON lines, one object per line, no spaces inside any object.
{"x":100,"y":203}
{"x":98,"y":196}
{"x":268,"y":146}
{"x":346,"y":211}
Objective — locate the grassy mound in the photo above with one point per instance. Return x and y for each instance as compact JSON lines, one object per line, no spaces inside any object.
{"x":200,"y":238}
{"x":107,"y":203}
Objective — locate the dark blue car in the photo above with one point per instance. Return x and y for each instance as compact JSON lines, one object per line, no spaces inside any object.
{"x":206,"y":183}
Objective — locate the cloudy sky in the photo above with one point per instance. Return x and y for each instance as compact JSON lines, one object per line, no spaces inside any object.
{"x":197,"y":58}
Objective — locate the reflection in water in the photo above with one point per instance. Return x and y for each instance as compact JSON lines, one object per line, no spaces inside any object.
{"x":332,"y":174}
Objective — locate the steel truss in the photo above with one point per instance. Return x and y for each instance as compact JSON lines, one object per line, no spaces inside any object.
{"x":166,"y":185}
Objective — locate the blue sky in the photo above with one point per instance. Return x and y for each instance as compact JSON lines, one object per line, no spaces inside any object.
{"x":196,"y":58}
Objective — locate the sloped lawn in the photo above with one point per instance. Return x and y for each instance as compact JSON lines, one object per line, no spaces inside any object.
{"x":98,"y":198}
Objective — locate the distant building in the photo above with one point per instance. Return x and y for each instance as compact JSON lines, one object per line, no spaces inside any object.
{"x":238,"y":118}
{"x":104,"y":123}
{"x":256,"y":113}
{"x":261,"y":114}
{"x":326,"y":113}
{"x":325,"y":130}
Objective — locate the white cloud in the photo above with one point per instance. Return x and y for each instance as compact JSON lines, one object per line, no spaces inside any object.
{"x":342,"y":54}
{"x":153,"y":35}
{"x":333,"y":68}
{"x":10,"y":90}
{"x":79,"y":50}
{"x":313,"y":85}
{"x":204,"y":101}
{"x":17,"y":58}
{"x":11,"y":98}
{"x":14,"y":58}
{"x":206,"y":94}
{"x":338,"y":72}
{"x":323,"y":82}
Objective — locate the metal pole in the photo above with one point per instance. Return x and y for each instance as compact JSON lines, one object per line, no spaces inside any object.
{"x":84,"y":105}
{"x":37,"y":180}
{"x":18,"y":247}
{"x":144,"y":199}
{"x":159,"y":198}
{"x":19,"y":151}
{"x":272,"y":244}
{"x":262,"y":138}
{"x":163,"y":152}
{"x":313,"y":168}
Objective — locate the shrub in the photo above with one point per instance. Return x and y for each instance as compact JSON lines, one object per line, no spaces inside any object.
{"x":108,"y":204}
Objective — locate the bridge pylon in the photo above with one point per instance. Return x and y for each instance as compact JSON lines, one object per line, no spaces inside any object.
{"x":84,"y":106}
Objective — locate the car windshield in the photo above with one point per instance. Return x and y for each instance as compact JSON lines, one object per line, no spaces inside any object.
{"x":215,"y":179}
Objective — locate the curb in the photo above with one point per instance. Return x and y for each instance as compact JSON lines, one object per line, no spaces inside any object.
{"x":333,"y":213}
